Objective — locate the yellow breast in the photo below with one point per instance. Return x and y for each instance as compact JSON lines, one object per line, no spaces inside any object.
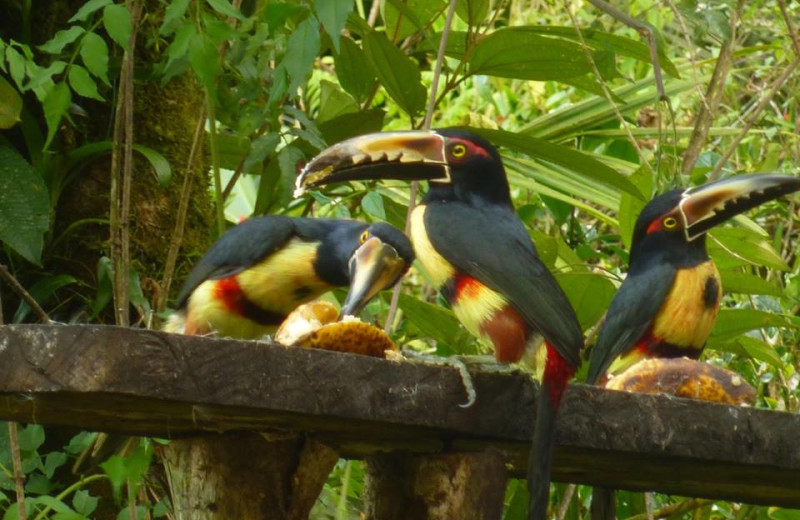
{"x":436,"y":267}
{"x":690,"y":309}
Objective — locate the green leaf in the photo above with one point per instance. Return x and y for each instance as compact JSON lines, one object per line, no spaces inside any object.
{"x":630,"y":206}
{"x":403,"y":18}
{"x":87,"y":9}
{"x":54,"y":503}
{"x":40,"y":77}
{"x":575,"y":160}
{"x":590,"y":295}
{"x":160,"y":164}
{"x":128,"y":469}
{"x":94,"y":53}
{"x":397,"y":73}
{"x":82,"y":83}
{"x":737,"y":245}
{"x":53,"y":461}
{"x":10,"y":105}
{"x":333,"y":16}
{"x":353,"y":124}
{"x":16,"y":65}
{"x":263,"y":146}
{"x":472,"y":11}
{"x":31,"y":437}
{"x":204,"y":57}
{"x":749,"y":346}
{"x":172,"y":16}
{"x":301,"y":51}
{"x":432,"y":321}
{"x":55,"y":105}
{"x":41,"y":291}
{"x":334,"y":102}
{"x":117,"y":21}
{"x":84,"y":503}
{"x":105,"y":275}
{"x":62,"y":38}
{"x":372,"y":203}
{"x":353,"y":70}
{"x":736,"y":281}
{"x":224,"y":7}
{"x":289,"y":160}
{"x":735,"y":322}
{"x":24,"y":206}
{"x":179,"y":48}
{"x":546,"y":246}
{"x":514,"y":54}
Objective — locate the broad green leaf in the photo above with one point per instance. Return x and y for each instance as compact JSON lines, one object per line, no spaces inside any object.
{"x":736,"y":281}
{"x":172,"y":16}
{"x":334,"y":102}
{"x":82,"y":83}
{"x":546,"y":246}
{"x":263,"y":146}
{"x":129,"y":469}
{"x":522,"y":55}
{"x":735,"y":322}
{"x":350,"y":125}
{"x":433,"y":321}
{"x":353,"y":70}
{"x":16,"y":65}
{"x":105,"y":275}
{"x":561,"y":155}
{"x":160,"y":164}
{"x":55,"y":105}
{"x":397,"y":73}
{"x":406,"y":17}
{"x":10,"y":105}
{"x":31,"y":437}
{"x":630,"y":206}
{"x":289,"y":159}
{"x":84,"y":503}
{"x":53,"y":461}
{"x":744,"y":245}
{"x":472,"y":11}
{"x":590,"y":295}
{"x":301,"y":51}
{"x":88,"y":8}
{"x":748,"y":346}
{"x":94,"y":53}
{"x":54,"y":504}
{"x":225,"y":8}
{"x":61,"y":39}
{"x":117,"y":21}
{"x":372,"y":204}
{"x":204,"y":58}
{"x":41,"y":291}
{"x":333,"y":16}
{"x":43,"y":76}
{"x":179,"y":48}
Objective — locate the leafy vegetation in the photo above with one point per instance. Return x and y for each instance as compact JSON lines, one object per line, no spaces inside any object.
{"x":567,"y":92}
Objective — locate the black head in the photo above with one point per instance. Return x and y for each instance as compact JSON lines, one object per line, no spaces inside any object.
{"x":459,"y":164}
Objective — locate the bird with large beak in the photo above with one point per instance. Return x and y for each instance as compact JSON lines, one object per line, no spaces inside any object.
{"x":477,"y":251}
{"x":262,"y":269}
{"x":667,"y":305}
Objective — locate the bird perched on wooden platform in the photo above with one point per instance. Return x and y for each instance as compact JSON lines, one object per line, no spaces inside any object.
{"x":260,"y":270}
{"x":668,"y":304}
{"x":473,"y":246}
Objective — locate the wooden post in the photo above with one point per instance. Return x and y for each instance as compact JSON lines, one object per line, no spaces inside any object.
{"x":467,"y":486}
{"x":245,"y":476}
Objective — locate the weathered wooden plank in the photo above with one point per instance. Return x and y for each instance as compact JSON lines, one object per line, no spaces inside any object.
{"x":147,"y":382}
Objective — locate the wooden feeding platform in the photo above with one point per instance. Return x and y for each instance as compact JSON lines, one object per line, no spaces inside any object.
{"x":152,"y":383}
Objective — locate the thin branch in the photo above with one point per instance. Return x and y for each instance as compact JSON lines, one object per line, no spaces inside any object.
{"x":17,"y":287}
{"x":412,"y":196}
{"x":373,"y":13}
{"x":708,"y":111}
{"x":19,"y":475}
{"x":675,"y":509}
{"x":753,"y":117}
{"x":180,"y":218}
{"x":790,"y":26}
{"x":563,"y":507}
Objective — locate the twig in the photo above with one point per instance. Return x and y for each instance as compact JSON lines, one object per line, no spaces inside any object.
{"x":790,"y":26}
{"x":716,"y":87}
{"x":675,"y":509}
{"x":373,"y":14}
{"x":412,"y":196}
{"x":563,"y":507}
{"x":19,"y":476}
{"x":180,"y":218}
{"x":24,"y":294}
{"x":751,"y":120}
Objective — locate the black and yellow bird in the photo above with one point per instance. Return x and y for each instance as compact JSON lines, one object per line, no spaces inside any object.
{"x":477,"y":251}
{"x":262,"y":269}
{"x":667,"y":305}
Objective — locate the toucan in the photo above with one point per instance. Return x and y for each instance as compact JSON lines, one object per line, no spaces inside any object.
{"x":475,"y":248}
{"x":667,"y":305}
{"x":257,"y":272}
{"x":669,"y":301}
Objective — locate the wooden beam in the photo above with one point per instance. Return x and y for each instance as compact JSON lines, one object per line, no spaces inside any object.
{"x":146,"y":382}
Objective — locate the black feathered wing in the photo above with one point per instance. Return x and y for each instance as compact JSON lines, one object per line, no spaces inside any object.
{"x":239,"y":248}
{"x":492,"y":245}
{"x":630,"y":314}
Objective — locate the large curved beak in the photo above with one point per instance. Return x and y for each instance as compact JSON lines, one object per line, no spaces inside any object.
{"x":374,"y":267}
{"x":414,"y":155}
{"x":706,"y":206}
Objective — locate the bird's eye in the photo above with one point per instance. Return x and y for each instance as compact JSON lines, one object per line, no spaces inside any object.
{"x":364,"y":236}
{"x":670,"y":222}
{"x":458,"y":151}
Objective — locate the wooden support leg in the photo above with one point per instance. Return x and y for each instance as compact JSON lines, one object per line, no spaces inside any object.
{"x":436,"y":487}
{"x":243,"y":476}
